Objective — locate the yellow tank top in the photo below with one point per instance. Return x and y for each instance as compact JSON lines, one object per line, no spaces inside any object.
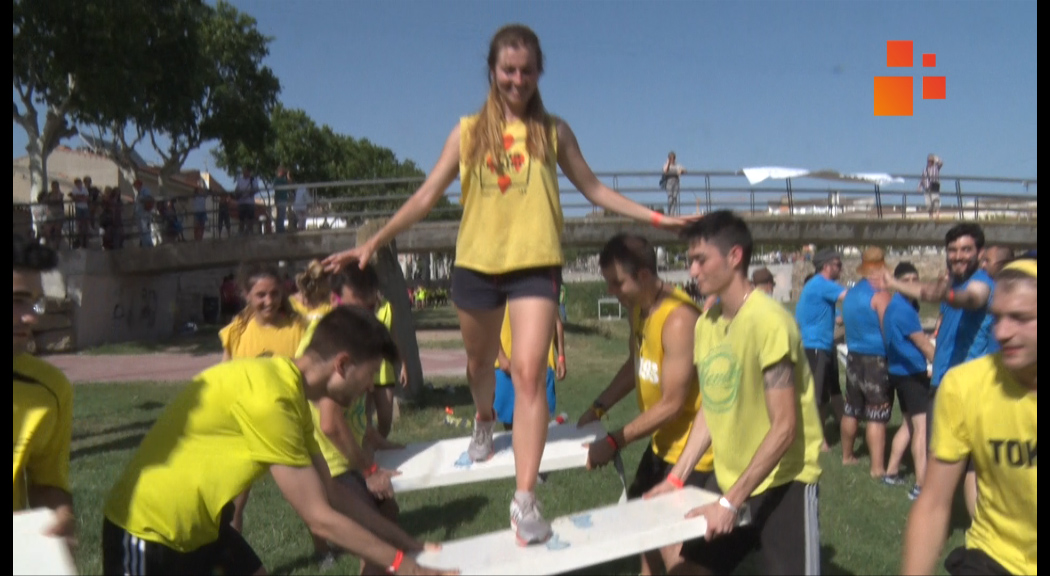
{"x":385,"y":376}
{"x":511,"y":221}
{"x":647,"y":340}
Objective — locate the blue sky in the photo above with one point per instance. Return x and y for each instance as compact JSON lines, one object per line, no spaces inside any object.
{"x":725,"y":85}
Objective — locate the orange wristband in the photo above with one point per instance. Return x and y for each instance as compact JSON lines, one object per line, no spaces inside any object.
{"x":371,"y":470}
{"x":655,"y":218}
{"x":396,"y":564}
{"x":612,"y":442}
{"x":561,"y":358}
{"x":951,"y":296}
{"x":675,"y":481}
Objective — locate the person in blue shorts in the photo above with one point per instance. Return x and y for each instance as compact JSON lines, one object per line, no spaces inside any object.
{"x":503,"y":403}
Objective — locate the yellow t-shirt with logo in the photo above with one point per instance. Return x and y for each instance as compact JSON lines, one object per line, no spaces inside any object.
{"x":355,"y":418}
{"x":511,"y":221}
{"x":730,"y":359}
{"x":255,"y":339}
{"x":983,"y":413}
{"x":648,"y":343}
{"x":385,"y":376}
{"x":505,"y":340}
{"x":43,"y":426}
{"x":220,"y":434}
{"x":310,"y":314}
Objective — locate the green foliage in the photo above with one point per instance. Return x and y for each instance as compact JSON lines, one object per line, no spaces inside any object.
{"x":314,"y":153}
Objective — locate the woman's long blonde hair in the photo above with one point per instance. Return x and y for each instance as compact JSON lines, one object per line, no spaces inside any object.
{"x":315,"y":284}
{"x":486,"y":137}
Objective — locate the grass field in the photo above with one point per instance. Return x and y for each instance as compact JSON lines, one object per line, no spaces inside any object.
{"x":861,"y":519}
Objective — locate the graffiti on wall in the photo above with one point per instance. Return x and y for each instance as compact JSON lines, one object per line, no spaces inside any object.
{"x":136,"y":309}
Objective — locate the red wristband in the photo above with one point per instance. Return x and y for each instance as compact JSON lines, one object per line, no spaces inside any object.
{"x":612,"y":442}
{"x":655,"y":218}
{"x":951,"y":296}
{"x":561,"y":358}
{"x":396,"y":564}
{"x":675,"y":481}
{"x":371,"y":470}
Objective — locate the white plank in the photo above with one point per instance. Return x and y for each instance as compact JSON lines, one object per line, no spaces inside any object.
{"x":580,"y":540}
{"x":35,"y":553}
{"x":445,"y":462}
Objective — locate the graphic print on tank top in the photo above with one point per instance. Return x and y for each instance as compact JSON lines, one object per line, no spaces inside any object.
{"x":511,"y":174}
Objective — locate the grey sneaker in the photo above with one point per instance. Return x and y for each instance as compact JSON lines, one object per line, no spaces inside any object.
{"x":526,"y":519}
{"x":480,"y":448}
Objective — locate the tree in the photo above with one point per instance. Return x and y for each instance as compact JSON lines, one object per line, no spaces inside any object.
{"x":73,"y":59}
{"x":205,"y":80}
{"x":318,"y":154}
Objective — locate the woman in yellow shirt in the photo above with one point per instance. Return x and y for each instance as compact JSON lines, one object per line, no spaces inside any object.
{"x":314,"y":298}
{"x":509,"y":246}
{"x":268,"y":326}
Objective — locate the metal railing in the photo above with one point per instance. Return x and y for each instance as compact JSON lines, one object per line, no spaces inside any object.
{"x":973,"y":198}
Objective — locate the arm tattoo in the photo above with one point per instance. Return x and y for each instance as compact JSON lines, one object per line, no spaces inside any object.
{"x":779,"y":375}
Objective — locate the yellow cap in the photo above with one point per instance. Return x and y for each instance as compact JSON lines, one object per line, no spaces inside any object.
{"x":1024,"y":265}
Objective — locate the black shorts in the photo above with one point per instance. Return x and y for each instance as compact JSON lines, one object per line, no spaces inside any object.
{"x":784,"y":528}
{"x":972,"y":562}
{"x":825,"y":368}
{"x":913,"y":392}
{"x":868,"y":394}
{"x":653,"y":470}
{"x":473,"y":290}
{"x":125,"y":554}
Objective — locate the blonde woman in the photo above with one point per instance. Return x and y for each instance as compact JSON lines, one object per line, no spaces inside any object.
{"x":314,"y":298}
{"x":508,"y":252}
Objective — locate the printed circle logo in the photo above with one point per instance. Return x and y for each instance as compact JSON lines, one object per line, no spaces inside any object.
{"x":719,"y":381}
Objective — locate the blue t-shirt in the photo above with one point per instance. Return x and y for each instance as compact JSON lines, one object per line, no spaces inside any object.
{"x":815,"y":313}
{"x":901,"y":320}
{"x":863,"y":333}
{"x":964,"y":334}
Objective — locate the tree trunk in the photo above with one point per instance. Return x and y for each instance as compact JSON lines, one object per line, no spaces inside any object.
{"x":392,"y":285}
{"x":37,"y":167}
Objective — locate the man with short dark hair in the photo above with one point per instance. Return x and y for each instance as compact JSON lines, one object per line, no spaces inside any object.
{"x":42,"y":399}
{"x":815,"y":313}
{"x":965,"y":332}
{"x":987,"y":413}
{"x":763,"y":280}
{"x":758,"y":414}
{"x":658,"y":369}
{"x":168,"y":511}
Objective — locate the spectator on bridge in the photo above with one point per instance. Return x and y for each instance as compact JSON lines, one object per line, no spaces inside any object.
{"x":965,"y":330}
{"x":908,"y":349}
{"x":56,"y":214}
{"x":144,"y":206}
{"x":508,"y":246}
{"x":200,"y":212}
{"x":930,"y":184}
{"x":94,"y":202}
{"x":245,"y":189}
{"x":670,"y":181}
{"x":868,"y":394}
{"x":816,"y":316}
{"x":300,"y":205}
{"x":224,"y":202}
{"x":763,"y":280}
{"x":281,"y":197}
{"x":993,"y":258}
{"x":110,"y":219}
{"x":82,"y":212}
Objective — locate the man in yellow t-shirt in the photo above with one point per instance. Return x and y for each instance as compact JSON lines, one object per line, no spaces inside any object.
{"x":658,"y":369}
{"x":759,"y":414}
{"x":167,"y":513}
{"x":986,"y":411}
{"x":42,"y":399}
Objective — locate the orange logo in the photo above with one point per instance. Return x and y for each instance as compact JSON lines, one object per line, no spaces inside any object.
{"x":894,"y":95}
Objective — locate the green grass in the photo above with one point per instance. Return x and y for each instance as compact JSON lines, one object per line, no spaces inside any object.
{"x":861,"y":520}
